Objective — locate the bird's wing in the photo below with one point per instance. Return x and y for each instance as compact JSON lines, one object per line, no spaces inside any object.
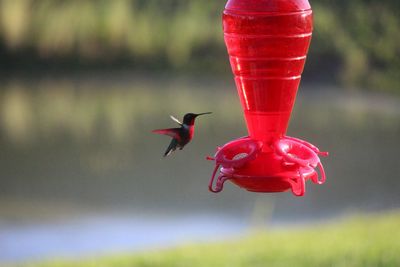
{"x":175,"y":119}
{"x":173,"y":132}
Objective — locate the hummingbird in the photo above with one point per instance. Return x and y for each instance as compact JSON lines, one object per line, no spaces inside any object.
{"x":182,"y":135}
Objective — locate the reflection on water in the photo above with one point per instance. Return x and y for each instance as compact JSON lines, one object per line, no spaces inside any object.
{"x":81,"y":110}
{"x":68,"y":144}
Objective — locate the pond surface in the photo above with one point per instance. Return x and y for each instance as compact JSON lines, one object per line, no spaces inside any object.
{"x":81,"y":174}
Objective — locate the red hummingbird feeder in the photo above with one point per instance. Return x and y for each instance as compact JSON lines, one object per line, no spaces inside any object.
{"x":267,"y":43}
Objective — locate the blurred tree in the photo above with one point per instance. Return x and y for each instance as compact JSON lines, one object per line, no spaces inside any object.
{"x":355,"y":42}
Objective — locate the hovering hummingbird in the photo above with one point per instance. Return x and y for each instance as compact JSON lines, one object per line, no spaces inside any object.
{"x":182,"y":135}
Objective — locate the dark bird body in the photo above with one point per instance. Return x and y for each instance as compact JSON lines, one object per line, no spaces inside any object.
{"x":182,"y":135}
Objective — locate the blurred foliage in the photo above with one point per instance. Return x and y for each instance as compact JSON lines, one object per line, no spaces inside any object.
{"x":356,"y":43}
{"x":363,"y":241}
{"x":363,"y":37}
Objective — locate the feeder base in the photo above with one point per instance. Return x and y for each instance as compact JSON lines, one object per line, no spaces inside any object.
{"x":267,"y":174}
{"x":285,"y":163}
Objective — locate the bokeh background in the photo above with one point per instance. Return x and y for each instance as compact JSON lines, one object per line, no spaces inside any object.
{"x":82,"y":84}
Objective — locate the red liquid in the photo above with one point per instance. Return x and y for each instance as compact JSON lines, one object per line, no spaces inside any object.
{"x":267,"y":41}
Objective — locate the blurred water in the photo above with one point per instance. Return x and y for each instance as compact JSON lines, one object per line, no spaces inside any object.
{"x":106,"y":234}
{"x":81,"y":174}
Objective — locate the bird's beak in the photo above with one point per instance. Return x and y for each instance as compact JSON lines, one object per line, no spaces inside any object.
{"x":203,"y":113}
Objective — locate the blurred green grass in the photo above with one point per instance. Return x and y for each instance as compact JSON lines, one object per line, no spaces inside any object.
{"x":365,"y":240}
{"x":355,"y":43}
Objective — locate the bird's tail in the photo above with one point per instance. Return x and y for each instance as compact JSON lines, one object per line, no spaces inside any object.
{"x":171,"y":148}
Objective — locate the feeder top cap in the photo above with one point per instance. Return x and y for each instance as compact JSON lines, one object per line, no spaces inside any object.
{"x":273,"y":6}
